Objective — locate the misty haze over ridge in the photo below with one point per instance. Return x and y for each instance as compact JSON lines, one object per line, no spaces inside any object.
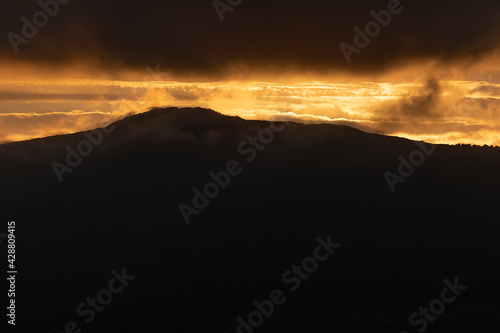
{"x":195,"y":125}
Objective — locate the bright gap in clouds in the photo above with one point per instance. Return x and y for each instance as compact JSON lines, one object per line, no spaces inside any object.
{"x":437,"y":111}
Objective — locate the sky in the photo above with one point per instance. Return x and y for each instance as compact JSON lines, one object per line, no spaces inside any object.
{"x":424,"y":70}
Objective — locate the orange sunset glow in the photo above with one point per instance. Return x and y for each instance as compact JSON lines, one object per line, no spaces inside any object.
{"x":437,"y":105}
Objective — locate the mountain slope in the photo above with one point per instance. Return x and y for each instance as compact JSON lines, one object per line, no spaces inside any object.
{"x":119,"y":207}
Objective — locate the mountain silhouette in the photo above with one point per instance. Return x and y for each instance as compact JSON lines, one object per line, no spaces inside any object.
{"x":200,"y":261}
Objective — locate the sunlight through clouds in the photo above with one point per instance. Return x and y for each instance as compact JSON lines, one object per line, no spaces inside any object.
{"x":465,"y":110}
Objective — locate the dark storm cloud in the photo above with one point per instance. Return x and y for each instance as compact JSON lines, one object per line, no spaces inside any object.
{"x":188,"y":36}
{"x":423,"y":104}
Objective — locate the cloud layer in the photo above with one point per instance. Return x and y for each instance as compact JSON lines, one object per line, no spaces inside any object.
{"x":434,"y":110}
{"x":189,"y":38}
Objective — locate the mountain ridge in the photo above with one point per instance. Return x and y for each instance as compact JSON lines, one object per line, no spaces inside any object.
{"x":191,"y":115}
{"x":119,"y":207}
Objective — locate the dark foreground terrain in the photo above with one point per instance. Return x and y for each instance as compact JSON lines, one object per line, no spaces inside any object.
{"x":119,"y":209}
